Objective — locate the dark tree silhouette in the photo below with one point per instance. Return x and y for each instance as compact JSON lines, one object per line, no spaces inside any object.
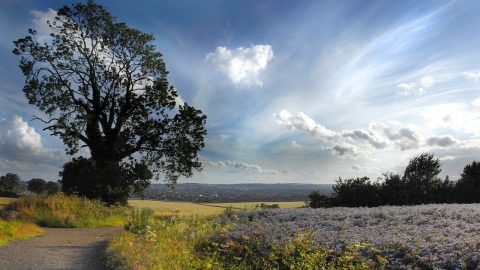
{"x":318,"y":200}
{"x":393,"y":190}
{"x":468,"y":187}
{"x":104,"y":86}
{"x":356,"y":192}
{"x":421,"y":178}
{"x":37,"y":185}
{"x":52,"y":188}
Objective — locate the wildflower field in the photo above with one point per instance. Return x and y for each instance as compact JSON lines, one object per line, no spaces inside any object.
{"x":408,"y":237}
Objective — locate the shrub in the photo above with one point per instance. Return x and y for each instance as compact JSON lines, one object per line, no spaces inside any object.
{"x":67,"y":211}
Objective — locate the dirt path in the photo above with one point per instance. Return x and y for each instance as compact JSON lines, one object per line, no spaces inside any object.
{"x":58,"y":249}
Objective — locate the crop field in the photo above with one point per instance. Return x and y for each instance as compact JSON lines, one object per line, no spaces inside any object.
{"x":410,"y":237}
{"x":188,"y":208}
{"x":252,"y":205}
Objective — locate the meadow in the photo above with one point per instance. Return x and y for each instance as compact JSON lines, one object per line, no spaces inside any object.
{"x":390,"y":237}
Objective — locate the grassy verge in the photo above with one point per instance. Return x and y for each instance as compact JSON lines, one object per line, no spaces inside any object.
{"x":13,"y":230}
{"x":66,"y":212}
{"x":165,"y":243}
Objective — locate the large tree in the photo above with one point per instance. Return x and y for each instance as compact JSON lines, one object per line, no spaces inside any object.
{"x":421,"y":178}
{"x":104,"y":85}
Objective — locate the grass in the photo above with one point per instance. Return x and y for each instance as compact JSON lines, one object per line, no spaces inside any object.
{"x":168,"y":243}
{"x":165,"y":208}
{"x":4,"y":201}
{"x":13,"y":230}
{"x":67,"y":212}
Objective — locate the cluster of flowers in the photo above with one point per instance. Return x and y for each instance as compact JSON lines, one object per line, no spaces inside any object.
{"x":410,"y":237}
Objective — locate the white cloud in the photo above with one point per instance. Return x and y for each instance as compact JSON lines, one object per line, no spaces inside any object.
{"x":239,"y":167}
{"x":403,"y":137}
{"x":408,"y":89}
{"x":427,"y":82}
{"x":475,"y":76}
{"x":454,"y":116}
{"x":294,"y":144}
{"x":476,"y":102}
{"x":20,"y":142}
{"x":302,"y":122}
{"x":367,"y":136}
{"x":243,"y":65}
{"x":39,"y":19}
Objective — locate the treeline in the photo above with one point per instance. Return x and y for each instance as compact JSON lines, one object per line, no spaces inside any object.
{"x":11,"y":186}
{"x":419,"y":184}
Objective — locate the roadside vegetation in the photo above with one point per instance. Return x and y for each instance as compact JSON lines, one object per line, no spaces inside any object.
{"x":14,"y":230}
{"x":66,"y":212}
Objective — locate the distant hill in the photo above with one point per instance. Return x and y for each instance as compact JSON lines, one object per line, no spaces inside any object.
{"x":203,"y":193}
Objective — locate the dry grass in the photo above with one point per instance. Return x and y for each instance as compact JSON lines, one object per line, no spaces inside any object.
{"x":13,"y":230}
{"x":164,"y":208}
{"x":252,"y":205}
{"x":4,"y":201}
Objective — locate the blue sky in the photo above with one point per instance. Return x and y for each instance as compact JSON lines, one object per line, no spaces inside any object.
{"x":294,"y":91}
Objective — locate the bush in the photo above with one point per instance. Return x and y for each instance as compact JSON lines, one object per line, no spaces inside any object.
{"x":67,"y":212}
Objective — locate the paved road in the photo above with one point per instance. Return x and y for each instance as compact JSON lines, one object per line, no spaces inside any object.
{"x":58,"y":249}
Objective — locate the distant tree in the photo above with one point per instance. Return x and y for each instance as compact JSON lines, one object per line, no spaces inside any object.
{"x":356,"y":192}
{"x":393,"y":190}
{"x":52,"y":187}
{"x":467,"y":189}
{"x":37,"y":185}
{"x":10,"y":185}
{"x":318,"y":200}
{"x":421,"y":178}
{"x":103,"y":85}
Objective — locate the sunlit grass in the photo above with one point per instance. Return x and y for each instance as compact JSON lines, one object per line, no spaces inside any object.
{"x":253,"y":205}
{"x":167,"y":244}
{"x":67,"y":212}
{"x":4,"y":201}
{"x":164,"y":208}
{"x":13,"y":230}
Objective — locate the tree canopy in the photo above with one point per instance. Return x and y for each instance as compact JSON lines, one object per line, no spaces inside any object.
{"x":103,"y":85}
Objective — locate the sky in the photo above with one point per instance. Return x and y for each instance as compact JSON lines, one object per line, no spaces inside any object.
{"x":294,"y":91}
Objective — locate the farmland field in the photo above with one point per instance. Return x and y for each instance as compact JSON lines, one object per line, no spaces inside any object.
{"x":187,"y":208}
{"x":252,"y":205}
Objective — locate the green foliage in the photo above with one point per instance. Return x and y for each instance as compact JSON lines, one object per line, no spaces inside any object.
{"x":52,"y":188}
{"x":37,"y":185}
{"x":421,"y":178}
{"x":10,"y":185}
{"x":299,"y":252}
{"x":67,"y":212}
{"x":103,"y":85}
{"x":13,"y":230}
{"x":139,"y":222}
{"x":318,"y":200}
{"x":356,"y":192}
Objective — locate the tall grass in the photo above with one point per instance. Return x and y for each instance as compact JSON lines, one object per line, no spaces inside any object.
{"x":67,"y":212}
{"x":166,"y":243}
{"x":12,"y":230}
